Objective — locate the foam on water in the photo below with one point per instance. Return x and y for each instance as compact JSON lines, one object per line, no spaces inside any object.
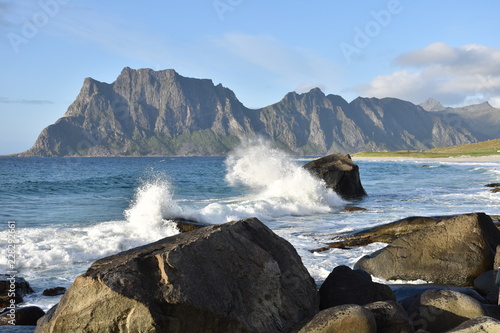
{"x":42,"y":248}
{"x":278,"y":185}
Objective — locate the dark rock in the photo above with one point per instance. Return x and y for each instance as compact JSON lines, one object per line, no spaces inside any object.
{"x":354,"y":209}
{"x":231,"y":277}
{"x":454,"y":252}
{"x":347,"y":318}
{"x":495,"y":190}
{"x":390,"y":317}
{"x":346,"y":286}
{"x":485,"y":284}
{"x":442,"y":310}
{"x":478,"y":324}
{"x":16,"y":284}
{"x":340,"y":173}
{"x":54,"y":291}
{"x":26,"y":316}
{"x":493,"y":185}
{"x":187,"y":225}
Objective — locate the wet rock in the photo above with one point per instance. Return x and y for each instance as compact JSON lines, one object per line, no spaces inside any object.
{"x":390,"y":317}
{"x":453,"y":252}
{"x":340,"y":173}
{"x":385,"y":233}
{"x":54,"y":291}
{"x":346,"y":286}
{"x":442,"y":310}
{"x":231,"y":277}
{"x":347,"y":318}
{"x":10,"y":284}
{"x":495,"y":190}
{"x":493,"y":185}
{"x":354,"y":209}
{"x":26,"y":316}
{"x":185,"y":225}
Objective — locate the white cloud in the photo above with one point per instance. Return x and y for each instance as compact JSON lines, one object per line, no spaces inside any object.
{"x":453,"y":75}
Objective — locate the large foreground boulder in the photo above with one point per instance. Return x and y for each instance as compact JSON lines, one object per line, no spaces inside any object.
{"x":340,"y":173}
{"x":233,"y":277}
{"x":455,"y":252}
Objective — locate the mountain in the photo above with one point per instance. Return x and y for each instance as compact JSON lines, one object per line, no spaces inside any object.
{"x":146,"y":112}
{"x":432,"y":105}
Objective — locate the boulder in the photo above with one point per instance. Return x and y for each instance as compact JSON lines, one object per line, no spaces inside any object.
{"x":346,"y":286}
{"x":233,"y":277}
{"x":349,"y":318}
{"x":454,"y":252}
{"x":340,"y":173}
{"x":485,"y":284}
{"x":385,"y":233}
{"x":407,"y":293}
{"x":11,"y":283}
{"x":390,"y":317}
{"x":442,"y":310}
{"x":25,"y":316}
{"x":478,"y":324}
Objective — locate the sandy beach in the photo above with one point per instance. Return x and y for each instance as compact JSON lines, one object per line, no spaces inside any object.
{"x":465,"y":158}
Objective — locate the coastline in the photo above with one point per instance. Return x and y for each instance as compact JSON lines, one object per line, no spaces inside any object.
{"x":465,"y":158}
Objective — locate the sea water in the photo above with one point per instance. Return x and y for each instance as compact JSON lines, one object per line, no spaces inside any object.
{"x":69,"y":212}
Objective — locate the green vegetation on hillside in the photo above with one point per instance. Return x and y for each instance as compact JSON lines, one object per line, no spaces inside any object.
{"x":485,"y":148}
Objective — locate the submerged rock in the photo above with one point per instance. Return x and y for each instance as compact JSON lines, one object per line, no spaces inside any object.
{"x":340,"y":173}
{"x":232,"y":277}
{"x":54,"y":291}
{"x":455,"y":252}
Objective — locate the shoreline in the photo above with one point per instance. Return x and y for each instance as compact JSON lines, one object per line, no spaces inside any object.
{"x":465,"y":158}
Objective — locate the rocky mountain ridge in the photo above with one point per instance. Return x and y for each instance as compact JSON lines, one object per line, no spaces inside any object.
{"x":147,"y":112}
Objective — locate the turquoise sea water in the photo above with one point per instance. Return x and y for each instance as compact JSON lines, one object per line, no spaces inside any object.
{"x":68,"y":212}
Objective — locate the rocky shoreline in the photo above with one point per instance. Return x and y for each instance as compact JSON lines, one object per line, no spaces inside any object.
{"x":242,"y":277}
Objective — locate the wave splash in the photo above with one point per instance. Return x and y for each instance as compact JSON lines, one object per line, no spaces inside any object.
{"x":278,"y":186}
{"x":146,"y":222}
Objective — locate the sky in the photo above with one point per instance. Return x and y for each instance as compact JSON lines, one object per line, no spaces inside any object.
{"x":408,"y":49}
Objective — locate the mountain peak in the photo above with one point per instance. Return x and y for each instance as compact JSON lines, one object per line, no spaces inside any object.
{"x":432,"y":105}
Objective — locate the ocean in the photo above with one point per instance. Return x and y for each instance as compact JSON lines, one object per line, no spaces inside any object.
{"x":68,"y":212}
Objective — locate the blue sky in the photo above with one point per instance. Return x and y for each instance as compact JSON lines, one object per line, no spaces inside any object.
{"x":407,"y":49}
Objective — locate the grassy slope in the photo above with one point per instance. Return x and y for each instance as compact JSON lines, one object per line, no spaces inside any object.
{"x":490,"y":147}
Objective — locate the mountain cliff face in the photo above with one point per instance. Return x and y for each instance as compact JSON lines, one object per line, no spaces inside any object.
{"x":146,"y":112}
